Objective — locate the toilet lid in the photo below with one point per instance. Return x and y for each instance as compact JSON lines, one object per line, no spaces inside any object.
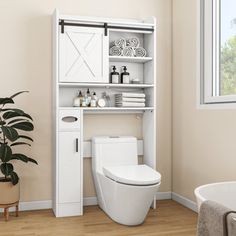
{"x":133,"y":175}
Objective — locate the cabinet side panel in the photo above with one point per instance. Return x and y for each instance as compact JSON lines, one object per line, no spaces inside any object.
{"x":55,"y":19}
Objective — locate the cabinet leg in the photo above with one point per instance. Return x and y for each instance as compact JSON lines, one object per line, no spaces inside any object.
{"x":17,"y":210}
{"x":6,"y":213}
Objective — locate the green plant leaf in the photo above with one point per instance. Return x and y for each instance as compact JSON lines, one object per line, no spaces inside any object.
{"x":24,"y":158}
{"x":26,"y":126}
{"x":32,"y":160}
{"x":6,"y":168}
{"x":25,"y":137}
{"x":2,"y":122}
{"x":5,"y":153}
{"x":20,"y":157}
{"x":4,"y":101}
{"x":14,"y":178}
{"x":16,"y":120}
{"x":13,"y":109}
{"x":10,"y":133}
{"x":11,"y":114}
{"x":16,"y":94}
{"x":19,"y":143}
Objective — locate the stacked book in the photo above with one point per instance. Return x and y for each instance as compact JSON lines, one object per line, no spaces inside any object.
{"x":130,"y":100}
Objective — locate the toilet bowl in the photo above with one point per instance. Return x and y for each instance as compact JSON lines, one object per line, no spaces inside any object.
{"x":125,"y":190}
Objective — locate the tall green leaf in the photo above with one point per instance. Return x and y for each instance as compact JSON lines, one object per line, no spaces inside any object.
{"x":14,"y":109}
{"x":20,"y":157}
{"x":16,"y":120}
{"x":19,"y":143}
{"x":26,"y":126}
{"x":16,"y":94}
{"x":10,"y":133}
{"x":2,"y":122}
{"x":4,"y":101}
{"x":14,"y":178}
{"x":24,"y":158}
{"x":11,"y":114}
{"x":5,"y":153}
{"x":32,"y":160}
{"x":25,"y":137}
{"x":6,"y":168}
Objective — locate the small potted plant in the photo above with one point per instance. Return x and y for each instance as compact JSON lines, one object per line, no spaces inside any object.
{"x":13,"y":122}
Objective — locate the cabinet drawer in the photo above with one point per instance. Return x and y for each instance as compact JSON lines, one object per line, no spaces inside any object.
{"x":69,"y":120}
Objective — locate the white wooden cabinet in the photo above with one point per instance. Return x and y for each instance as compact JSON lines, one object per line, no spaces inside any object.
{"x":81,"y":60}
{"x":69,"y":166}
{"x":83,"y":55}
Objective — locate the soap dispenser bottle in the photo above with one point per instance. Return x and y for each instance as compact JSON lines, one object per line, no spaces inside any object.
{"x":94,"y":100}
{"x":114,"y":76}
{"x":78,"y":100}
{"x":125,"y":79}
{"x":88,"y":98}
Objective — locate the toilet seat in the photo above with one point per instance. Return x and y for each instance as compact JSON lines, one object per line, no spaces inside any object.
{"x":133,"y":174}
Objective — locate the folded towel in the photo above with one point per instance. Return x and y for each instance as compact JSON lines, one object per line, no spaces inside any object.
{"x":140,"y":52}
{"x":121,"y":42}
{"x":132,"y":95}
{"x":128,"y":52}
{"x":212,"y":220}
{"x":130,"y":104}
{"x":133,"y":42}
{"x":125,"y":99}
{"x":115,"y":51}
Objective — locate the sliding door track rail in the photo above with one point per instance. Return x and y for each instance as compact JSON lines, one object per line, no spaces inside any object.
{"x":106,"y":26}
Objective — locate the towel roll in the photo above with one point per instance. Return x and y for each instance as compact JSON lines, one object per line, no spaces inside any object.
{"x":115,"y":51}
{"x":128,"y":52}
{"x":140,"y":52}
{"x":133,"y":42}
{"x":118,"y":43}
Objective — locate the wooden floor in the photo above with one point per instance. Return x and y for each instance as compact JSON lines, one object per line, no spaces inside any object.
{"x":169,"y":218}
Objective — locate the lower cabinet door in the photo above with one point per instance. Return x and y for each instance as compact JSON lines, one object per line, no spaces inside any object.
{"x":69,"y":173}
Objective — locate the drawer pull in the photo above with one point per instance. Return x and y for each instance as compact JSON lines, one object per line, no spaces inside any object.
{"x":69,"y":119}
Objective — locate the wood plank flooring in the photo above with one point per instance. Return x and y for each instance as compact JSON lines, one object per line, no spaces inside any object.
{"x":168,"y":219}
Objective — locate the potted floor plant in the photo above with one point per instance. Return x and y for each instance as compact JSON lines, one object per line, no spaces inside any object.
{"x":14,"y":123}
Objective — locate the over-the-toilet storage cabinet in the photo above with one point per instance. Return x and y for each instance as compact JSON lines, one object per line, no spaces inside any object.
{"x":81,"y":60}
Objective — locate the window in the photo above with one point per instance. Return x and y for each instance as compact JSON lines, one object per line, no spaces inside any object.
{"x":218,"y":51}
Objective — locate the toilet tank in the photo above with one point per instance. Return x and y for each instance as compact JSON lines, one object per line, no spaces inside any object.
{"x":113,"y":151}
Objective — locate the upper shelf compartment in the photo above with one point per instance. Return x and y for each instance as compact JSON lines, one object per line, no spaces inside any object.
{"x":129,"y":59}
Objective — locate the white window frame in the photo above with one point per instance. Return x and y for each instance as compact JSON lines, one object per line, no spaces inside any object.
{"x":208,"y":55}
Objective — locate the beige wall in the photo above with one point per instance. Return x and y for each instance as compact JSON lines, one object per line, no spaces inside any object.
{"x":203,"y":140}
{"x":25,"y":64}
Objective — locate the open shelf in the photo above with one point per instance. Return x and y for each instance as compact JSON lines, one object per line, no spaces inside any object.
{"x":111,"y":109}
{"x":130,"y":59}
{"x":97,"y":85}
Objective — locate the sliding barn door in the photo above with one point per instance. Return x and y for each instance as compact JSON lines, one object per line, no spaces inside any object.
{"x":83,"y":55}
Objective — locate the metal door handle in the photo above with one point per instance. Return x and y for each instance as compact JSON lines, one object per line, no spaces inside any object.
{"x":77,"y":145}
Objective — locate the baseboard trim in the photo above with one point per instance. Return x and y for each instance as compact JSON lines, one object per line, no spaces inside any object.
{"x":91,"y":201}
{"x":184,"y":201}
{"x":34,"y":205}
{"x":163,"y":195}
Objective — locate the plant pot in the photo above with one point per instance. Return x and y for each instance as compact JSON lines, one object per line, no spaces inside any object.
{"x":9,"y":193}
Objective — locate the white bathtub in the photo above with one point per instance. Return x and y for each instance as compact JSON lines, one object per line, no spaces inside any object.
{"x":223,"y":193}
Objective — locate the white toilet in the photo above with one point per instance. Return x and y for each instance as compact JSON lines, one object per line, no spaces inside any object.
{"x":125,"y":190}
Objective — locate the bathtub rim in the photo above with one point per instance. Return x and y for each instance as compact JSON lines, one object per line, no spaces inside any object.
{"x":197,"y":190}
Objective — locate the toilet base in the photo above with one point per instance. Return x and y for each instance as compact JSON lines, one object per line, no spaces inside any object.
{"x":125,"y":204}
